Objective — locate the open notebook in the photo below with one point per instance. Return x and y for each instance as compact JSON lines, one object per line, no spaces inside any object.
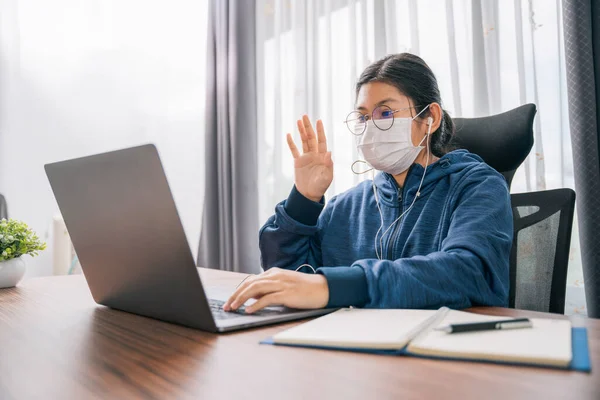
{"x":551,"y":342}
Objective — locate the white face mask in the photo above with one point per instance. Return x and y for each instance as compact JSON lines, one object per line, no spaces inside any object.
{"x":392,"y":150}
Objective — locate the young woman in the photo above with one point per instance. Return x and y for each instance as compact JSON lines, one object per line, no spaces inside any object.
{"x":434,"y":227}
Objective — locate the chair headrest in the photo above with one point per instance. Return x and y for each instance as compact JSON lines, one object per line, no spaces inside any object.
{"x":502,"y":140}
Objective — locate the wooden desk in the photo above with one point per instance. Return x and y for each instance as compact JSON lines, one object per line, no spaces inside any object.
{"x":56,"y":343}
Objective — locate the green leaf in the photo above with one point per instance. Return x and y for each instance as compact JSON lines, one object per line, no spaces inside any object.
{"x":17,"y":239}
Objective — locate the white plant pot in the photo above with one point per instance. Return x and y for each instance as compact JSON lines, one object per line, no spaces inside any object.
{"x":11,"y":272}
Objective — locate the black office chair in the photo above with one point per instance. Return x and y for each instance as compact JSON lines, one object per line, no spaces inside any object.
{"x":503,"y":140}
{"x":542,"y":220}
{"x":539,"y":258}
{"x":3,"y":208}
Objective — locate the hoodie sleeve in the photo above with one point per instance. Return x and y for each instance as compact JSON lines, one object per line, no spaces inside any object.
{"x":471,"y":267}
{"x":291,"y":238}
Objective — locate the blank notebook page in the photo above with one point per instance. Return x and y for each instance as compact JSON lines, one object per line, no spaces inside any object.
{"x":547,"y":343}
{"x":358,"y":328}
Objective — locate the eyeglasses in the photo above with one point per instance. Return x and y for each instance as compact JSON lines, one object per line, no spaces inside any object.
{"x":382,"y":117}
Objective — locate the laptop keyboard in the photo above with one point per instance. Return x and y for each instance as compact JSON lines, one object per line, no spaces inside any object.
{"x":216,"y":307}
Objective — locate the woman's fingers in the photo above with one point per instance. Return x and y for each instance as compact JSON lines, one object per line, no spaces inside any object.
{"x":311,"y":142}
{"x":310,"y":134}
{"x":303,"y":136}
{"x":258,"y":288}
{"x":242,"y":286}
{"x":265,"y":301}
{"x":292,"y":146}
{"x":321,"y":137}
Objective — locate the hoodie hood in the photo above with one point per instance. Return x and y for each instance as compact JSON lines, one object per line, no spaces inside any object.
{"x":392,"y":195}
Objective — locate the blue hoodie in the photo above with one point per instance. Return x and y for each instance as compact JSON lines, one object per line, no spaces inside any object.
{"x":451,"y":249}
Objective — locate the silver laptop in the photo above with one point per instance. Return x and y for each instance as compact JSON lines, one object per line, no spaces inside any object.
{"x":125,"y":228}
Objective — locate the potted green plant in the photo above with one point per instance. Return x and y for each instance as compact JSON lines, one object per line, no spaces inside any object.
{"x":16,"y":240}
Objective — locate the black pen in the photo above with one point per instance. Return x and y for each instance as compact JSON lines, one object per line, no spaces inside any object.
{"x":487,"y":326}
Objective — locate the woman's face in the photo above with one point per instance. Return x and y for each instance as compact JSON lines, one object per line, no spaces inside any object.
{"x":375,"y":94}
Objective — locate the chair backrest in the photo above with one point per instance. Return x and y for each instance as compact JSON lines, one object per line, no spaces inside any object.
{"x":502,"y":140}
{"x":540,"y":254}
{"x":3,"y":208}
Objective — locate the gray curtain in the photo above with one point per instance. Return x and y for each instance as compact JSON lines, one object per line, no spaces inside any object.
{"x":582,"y":46}
{"x":3,"y":208}
{"x":229,"y":235}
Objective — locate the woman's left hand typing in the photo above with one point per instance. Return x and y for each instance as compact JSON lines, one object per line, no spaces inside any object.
{"x":281,"y":287}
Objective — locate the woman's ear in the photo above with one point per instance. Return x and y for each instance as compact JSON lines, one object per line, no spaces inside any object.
{"x":436,"y":113}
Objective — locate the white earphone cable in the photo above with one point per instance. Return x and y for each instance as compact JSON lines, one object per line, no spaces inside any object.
{"x":306,"y":265}
{"x":377,"y":253}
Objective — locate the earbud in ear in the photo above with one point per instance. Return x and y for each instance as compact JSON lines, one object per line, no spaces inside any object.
{"x":429,"y":123}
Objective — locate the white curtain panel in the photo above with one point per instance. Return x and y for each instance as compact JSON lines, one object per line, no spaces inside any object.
{"x":489,"y":56}
{"x":84,"y":77}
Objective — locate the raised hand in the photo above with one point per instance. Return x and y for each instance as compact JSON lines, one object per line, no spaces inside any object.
{"x":313,"y":168}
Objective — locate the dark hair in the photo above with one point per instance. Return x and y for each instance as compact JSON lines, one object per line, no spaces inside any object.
{"x":413,"y":78}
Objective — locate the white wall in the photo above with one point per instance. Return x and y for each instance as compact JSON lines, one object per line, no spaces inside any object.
{"x":82,"y":77}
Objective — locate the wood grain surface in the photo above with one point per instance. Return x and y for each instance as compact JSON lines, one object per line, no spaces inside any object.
{"x":56,"y":343}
